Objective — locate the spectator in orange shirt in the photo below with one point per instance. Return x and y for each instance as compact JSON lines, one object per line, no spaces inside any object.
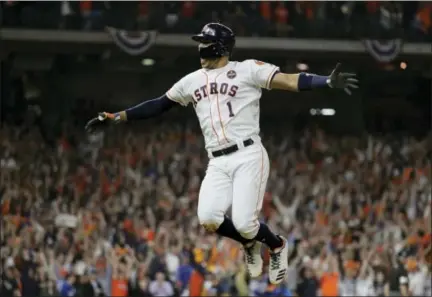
{"x":196,"y":283}
{"x":281,"y":16}
{"x":122,"y":268}
{"x":423,"y":18}
{"x":143,"y":18}
{"x":188,"y":9}
{"x":119,"y":287}
{"x":265,"y":9}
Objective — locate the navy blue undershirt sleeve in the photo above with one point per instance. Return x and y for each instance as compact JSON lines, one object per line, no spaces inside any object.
{"x":150,"y":108}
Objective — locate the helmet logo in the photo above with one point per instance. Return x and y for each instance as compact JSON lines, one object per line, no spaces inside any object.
{"x":231,"y":74}
{"x":209,"y":31}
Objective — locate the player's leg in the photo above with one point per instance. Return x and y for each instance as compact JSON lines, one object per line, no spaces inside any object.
{"x":249,"y":185}
{"x":215,"y":198}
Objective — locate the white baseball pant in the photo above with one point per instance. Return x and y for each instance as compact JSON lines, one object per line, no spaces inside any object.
{"x":238,"y":180}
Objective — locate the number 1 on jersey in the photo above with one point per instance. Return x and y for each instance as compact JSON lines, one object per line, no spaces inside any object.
{"x":231,"y":114}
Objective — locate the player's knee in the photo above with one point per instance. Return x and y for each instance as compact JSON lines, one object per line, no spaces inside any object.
{"x":210,"y":220}
{"x":247,"y":227}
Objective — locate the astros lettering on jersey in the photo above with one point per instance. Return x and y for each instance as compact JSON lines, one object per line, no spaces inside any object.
{"x":226,"y":100}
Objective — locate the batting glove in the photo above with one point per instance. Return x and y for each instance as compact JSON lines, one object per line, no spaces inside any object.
{"x":342,"y":80}
{"x":103,"y":119}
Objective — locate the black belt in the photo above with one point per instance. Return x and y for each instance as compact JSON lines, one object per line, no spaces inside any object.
{"x":231,"y":149}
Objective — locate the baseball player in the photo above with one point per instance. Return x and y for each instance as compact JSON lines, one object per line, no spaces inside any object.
{"x":225,"y":95}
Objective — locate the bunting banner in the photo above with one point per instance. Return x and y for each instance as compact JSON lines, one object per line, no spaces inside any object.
{"x":133,"y":43}
{"x":384,"y":50}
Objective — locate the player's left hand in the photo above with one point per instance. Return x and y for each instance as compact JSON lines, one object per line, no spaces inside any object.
{"x":343,"y":80}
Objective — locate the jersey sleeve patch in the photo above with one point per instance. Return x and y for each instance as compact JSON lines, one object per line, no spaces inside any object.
{"x":262,"y":73}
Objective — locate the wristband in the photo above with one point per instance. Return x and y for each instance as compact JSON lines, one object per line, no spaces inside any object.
{"x":307,"y":81}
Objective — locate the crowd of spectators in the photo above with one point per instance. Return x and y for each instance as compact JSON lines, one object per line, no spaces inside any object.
{"x":344,"y":19}
{"x":114,"y":214}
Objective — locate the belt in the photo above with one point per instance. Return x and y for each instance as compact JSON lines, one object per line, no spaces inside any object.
{"x":231,"y":149}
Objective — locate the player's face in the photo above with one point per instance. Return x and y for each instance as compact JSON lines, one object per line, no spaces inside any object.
{"x":206,"y":63}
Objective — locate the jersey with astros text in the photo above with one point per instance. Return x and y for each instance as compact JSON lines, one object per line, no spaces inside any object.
{"x":226,"y":100}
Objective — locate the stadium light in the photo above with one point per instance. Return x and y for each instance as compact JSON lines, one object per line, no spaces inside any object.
{"x":302,"y":66}
{"x":148,"y":62}
{"x":322,"y":111}
{"x":328,"y":112}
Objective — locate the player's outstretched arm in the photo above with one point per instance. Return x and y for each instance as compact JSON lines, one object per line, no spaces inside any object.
{"x":306,"y":81}
{"x":144,"y":110}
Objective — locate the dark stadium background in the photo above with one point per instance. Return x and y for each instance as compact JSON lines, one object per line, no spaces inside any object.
{"x":388,"y":93}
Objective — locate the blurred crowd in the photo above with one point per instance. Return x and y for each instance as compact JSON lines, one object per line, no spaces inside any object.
{"x":114,"y":214}
{"x":334,"y":19}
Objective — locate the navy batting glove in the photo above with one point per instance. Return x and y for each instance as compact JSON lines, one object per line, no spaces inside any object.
{"x":342,"y":80}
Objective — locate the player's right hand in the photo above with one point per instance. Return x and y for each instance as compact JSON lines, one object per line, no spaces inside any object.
{"x":103,"y":119}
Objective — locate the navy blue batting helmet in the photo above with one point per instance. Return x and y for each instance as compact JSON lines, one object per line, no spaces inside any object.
{"x":217,"y":41}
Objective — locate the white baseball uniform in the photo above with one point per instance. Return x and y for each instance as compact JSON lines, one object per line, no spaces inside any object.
{"x":226,"y":101}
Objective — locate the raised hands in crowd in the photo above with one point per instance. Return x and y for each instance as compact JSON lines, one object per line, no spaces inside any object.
{"x":357,"y":213}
